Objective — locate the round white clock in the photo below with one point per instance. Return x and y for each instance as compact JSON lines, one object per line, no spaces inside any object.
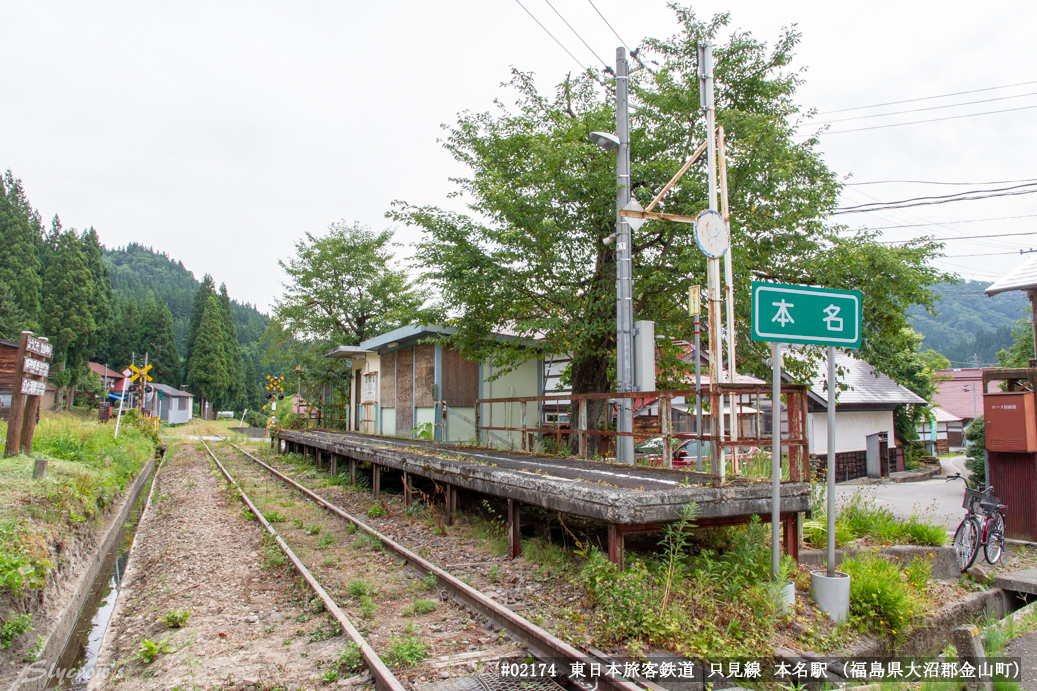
{"x":712,"y":234}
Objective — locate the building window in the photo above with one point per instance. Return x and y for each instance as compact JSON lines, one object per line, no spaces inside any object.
{"x":182,"y":403}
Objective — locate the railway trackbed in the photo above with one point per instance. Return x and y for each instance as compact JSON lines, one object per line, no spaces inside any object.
{"x":405,"y":619}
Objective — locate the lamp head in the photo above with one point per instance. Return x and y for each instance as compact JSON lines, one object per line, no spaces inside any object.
{"x":605,"y":140}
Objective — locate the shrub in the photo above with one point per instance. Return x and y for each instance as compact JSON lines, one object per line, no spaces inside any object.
{"x":375,"y":511}
{"x":176,"y":618}
{"x":624,"y":600}
{"x":405,"y":652}
{"x":351,"y":659}
{"x":12,"y":627}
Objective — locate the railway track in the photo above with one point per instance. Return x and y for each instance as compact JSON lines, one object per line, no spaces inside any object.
{"x":255,"y":475}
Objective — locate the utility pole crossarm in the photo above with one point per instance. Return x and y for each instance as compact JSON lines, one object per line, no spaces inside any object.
{"x":628,"y":213}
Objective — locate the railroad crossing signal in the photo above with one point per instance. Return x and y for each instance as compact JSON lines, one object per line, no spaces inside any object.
{"x":140,"y":373}
{"x":803,"y":314}
{"x":274,"y":389}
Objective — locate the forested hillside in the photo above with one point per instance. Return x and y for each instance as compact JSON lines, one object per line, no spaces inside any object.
{"x":136,"y":270}
{"x":968,"y":322}
{"x":112,"y":306}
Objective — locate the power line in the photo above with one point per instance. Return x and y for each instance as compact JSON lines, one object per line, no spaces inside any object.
{"x":987,"y":254}
{"x":918,"y":110}
{"x":926,"y":98}
{"x":961,"y":237}
{"x":585,"y":68}
{"x":609,"y":26}
{"x":905,"y":205}
{"x":575,"y":32}
{"x":932,"y":182}
{"x":944,"y":223}
{"x":920,"y":122}
{"x":942,"y":196}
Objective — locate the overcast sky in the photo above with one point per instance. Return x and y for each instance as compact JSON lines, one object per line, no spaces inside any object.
{"x":221,"y":132}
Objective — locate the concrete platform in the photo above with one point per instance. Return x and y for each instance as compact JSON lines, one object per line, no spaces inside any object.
{"x":631,"y":499}
{"x":1024,"y":581}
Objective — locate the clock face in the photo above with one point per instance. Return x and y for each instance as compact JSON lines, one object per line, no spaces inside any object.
{"x":712,"y":234}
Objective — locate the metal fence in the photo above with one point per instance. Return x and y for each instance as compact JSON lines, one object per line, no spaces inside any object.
{"x":742,"y":426}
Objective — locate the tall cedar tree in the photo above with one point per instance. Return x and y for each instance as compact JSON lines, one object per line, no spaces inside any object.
{"x":12,"y":319}
{"x":126,"y":334}
{"x":68,"y":293}
{"x":201,"y":299}
{"x":235,"y":397}
{"x":530,"y":259}
{"x":158,"y":340}
{"x":207,"y":370}
{"x":19,"y":265}
{"x":101,"y":293}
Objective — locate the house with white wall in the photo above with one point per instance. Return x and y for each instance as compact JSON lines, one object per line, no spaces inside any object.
{"x":863,"y":409}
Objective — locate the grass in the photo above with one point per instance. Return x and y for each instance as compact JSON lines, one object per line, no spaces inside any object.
{"x":87,"y":469}
{"x":861,"y":517}
{"x":419,"y":607}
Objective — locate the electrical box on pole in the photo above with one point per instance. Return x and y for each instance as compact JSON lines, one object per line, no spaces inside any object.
{"x":644,"y":356}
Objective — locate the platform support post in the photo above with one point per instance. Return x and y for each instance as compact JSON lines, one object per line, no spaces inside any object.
{"x":317,"y":458}
{"x":352,"y":471}
{"x":581,"y":425}
{"x":478,"y":432}
{"x":514,"y":524}
{"x":334,"y":465}
{"x":376,"y":481}
{"x":273,"y":442}
{"x":451,"y":504}
{"x":790,"y":536}
{"x":406,"y":489}
{"x":617,"y":546}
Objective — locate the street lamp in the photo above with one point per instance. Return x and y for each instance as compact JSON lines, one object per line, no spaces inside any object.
{"x":620,"y":143}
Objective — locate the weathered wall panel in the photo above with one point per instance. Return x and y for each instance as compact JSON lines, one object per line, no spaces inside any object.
{"x":1014,"y":479}
{"x":8,"y":358}
{"x":404,"y":391}
{"x":388,"y":372}
{"x":424,"y":375}
{"x":460,"y":379}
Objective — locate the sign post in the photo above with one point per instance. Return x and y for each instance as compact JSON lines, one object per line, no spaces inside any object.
{"x":30,"y":375}
{"x":809,"y":316}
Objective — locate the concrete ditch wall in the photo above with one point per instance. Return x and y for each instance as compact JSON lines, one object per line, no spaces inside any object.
{"x":34,"y":676}
{"x":944,"y":560}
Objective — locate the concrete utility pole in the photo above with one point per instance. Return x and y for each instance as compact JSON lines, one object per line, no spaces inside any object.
{"x":624,"y":267}
{"x":716,"y":350}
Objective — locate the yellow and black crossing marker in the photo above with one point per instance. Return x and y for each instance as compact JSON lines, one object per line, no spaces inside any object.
{"x":275,"y":392}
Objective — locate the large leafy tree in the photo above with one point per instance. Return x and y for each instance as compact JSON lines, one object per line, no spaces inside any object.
{"x":345,"y":287}
{"x":530,"y":258}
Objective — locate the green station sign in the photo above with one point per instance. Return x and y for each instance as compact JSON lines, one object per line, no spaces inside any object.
{"x":802,"y":314}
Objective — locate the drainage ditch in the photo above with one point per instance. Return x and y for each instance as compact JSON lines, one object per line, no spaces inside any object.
{"x":76,"y":663}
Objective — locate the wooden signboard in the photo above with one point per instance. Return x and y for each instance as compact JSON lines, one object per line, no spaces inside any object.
{"x":30,"y":383}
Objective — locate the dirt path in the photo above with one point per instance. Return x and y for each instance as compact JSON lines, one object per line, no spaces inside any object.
{"x":196,"y":551}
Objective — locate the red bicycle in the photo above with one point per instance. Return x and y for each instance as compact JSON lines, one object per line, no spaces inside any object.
{"x":984,"y":524}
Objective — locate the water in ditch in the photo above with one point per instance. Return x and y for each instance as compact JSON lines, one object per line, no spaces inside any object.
{"x":76,"y":665}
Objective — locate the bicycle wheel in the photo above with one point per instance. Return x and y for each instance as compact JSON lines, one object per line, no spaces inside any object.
{"x":994,"y":547}
{"x":966,"y":542}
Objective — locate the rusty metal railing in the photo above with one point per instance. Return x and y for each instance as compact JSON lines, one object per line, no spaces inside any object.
{"x":795,"y":439}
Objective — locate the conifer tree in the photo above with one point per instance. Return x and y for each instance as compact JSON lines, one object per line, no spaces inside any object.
{"x":235,"y":370}
{"x":201,"y":299}
{"x":19,"y":265}
{"x":207,"y":369}
{"x":67,"y":318}
{"x":159,"y":341}
{"x":12,"y":320}
{"x":126,"y":334}
{"x":100,"y":302}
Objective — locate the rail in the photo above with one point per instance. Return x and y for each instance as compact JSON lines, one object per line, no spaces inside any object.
{"x":749,"y":396}
{"x":384,"y":679}
{"x":538,"y":641}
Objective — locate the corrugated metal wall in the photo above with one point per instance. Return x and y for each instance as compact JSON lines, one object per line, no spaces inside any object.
{"x":1014,"y":478}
